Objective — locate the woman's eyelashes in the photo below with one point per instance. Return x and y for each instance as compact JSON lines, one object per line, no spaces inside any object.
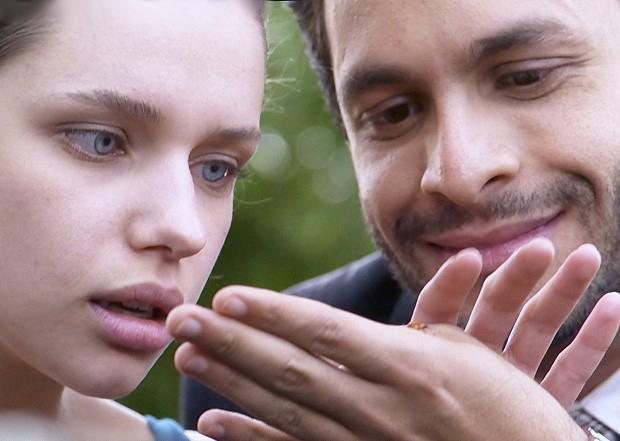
{"x":102,"y":145}
{"x":95,"y":144}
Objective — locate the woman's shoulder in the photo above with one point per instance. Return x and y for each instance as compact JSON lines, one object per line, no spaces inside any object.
{"x":167,"y":429}
{"x":97,"y":415}
{"x":86,"y":416}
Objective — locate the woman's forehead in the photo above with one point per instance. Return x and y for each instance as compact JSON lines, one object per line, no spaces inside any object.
{"x":194,"y":63}
{"x":155,"y":40}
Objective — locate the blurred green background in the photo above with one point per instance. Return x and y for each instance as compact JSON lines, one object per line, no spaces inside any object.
{"x":296,"y":214}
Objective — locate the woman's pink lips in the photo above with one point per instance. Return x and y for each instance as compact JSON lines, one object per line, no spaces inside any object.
{"x":130,"y":331}
{"x":139,"y":334}
{"x":497,"y":245}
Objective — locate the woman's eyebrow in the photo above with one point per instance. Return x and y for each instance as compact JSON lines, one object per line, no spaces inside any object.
{"x":118,"y":102}
{"x":238,"y":134}
{"x":137,"y":108}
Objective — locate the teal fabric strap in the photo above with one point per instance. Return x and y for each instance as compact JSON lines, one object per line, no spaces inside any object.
{"x":166,"y":429}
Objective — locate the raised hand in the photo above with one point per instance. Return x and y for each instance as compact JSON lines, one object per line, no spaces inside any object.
{"x":319,"y":373}
{"x":397,"y":384}
{"x":500,"y":316}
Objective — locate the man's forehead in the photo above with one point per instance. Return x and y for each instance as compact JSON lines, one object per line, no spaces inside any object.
{"x":392,"y":17}
{"x":389,"y":31}
{"x":375,"y":44}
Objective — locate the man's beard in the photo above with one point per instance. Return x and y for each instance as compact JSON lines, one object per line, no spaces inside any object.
{"x":567,"y":191}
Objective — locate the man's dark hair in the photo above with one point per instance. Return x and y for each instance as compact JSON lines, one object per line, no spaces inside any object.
{"x":20,"y":25}
{"x":311,"y":19}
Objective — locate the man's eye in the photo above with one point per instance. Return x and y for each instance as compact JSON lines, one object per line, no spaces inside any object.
{"x":392,"y":119}
{"x":532,"y":84}
{"x":96,"y":143}
{"x":523,"y":79}
{"x":526,"y":78}
{"x":397,"y":114}
{"x":216,"y":171}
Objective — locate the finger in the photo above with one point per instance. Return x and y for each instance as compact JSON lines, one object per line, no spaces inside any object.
{"x":544,"y":313}
{"x":284,"y":369}
{"x":276,"y":410}
{"x":504,"y":292}
{"x":364,"y":347}
{"x":442,"y":299}
{"x":229,"y":426}
{"x":578,"y":361}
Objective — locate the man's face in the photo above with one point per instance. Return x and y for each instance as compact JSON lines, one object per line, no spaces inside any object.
{"x":481,"y":124}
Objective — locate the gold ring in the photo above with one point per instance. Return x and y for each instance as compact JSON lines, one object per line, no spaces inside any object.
{"x":418,"y":326}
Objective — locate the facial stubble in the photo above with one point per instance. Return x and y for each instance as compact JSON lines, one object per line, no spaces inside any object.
{"x":569,"y":191}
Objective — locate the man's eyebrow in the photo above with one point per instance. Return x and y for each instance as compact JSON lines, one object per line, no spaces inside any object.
{"x":115,"y":101}
{"x":365,"y":78}
{"x":521,"y":34}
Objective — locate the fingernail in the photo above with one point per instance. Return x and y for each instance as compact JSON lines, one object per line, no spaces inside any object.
{"x":470,"y":250}
{"x":215,"y":431}
{"x":196,"y":365}
{"x":234,"y":307}
{"x":189,"y":328}
{"x":460,"y":254}
{"x":590,"y":247}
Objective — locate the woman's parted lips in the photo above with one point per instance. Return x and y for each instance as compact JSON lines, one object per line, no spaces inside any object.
{"x":145,"y":295}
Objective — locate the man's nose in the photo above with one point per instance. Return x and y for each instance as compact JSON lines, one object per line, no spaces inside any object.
{"x":169,"y":218}
{"x":473,"y":152}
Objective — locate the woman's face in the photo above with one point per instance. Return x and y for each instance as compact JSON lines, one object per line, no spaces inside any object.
{"x":121,"y":132}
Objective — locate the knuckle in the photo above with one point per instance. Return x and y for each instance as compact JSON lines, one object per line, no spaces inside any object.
{"x":273,"y":315}
{"x":227,"y":346}
{"x":257,"y":430}
{"x":594,"y":343}
{"x":327,"y":333}
{"x":292,"y":377}
{"x":572,"y":374}
{"x":251,"y":432}
{"x":577,"y":376}
{"x":537,"y":320}
{"x":521,"y":361}
{"x":288,"y":417}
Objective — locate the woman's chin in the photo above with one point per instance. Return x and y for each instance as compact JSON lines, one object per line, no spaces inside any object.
{"x":109,"y":383}
{"x":111,"y":388}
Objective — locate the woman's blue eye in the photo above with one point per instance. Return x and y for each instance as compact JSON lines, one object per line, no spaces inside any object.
{"x":96,"y":142}
{"x":104,"y":144}
{"x":214,"y":171}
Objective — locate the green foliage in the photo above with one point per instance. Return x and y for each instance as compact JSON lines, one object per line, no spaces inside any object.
{"x":296,"y":213}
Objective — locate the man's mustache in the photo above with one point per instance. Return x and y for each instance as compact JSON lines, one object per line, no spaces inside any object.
{"x":568,"y":190}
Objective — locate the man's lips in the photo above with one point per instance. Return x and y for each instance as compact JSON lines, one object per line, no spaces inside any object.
{"x":496,"y":242}
{"x":134,"y":317}
{"x":489,"y":236}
